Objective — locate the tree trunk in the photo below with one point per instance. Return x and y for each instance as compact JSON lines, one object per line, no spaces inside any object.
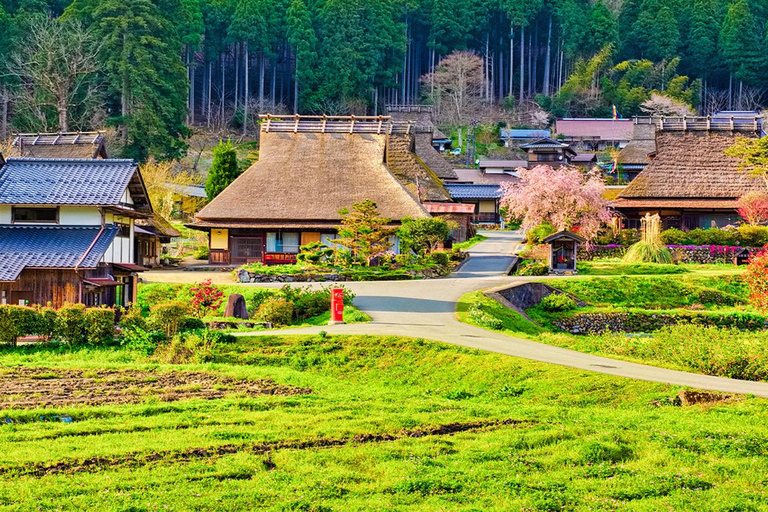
{"x":511,"y":59}
{"x":487,"y":67}
{"x":246,"y":88}
{"x":63,"y":109}
{"x":221,"y":104}
{"x":549,"y":57}
{"x":461,"y":140}
{"x":237,"y":76}
{"x":296,"y":87}
{"x":4,"y":121}
{"x":530,"y":54}
{"x":210,"y":83}
{"x":192,"y":94}
{"x":536,"y":53}
{"x":124,"y":104}
{"x":522,"y":64}
{"x":261,"y":80}
{"x":730,"y":91}
{"x":274,"y":82}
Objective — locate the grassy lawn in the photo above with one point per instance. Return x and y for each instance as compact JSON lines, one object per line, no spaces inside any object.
{"x":617,"y":267}
{"x":463,"y":246}
{"x":361,"y":423}
{"x":720,"y":299}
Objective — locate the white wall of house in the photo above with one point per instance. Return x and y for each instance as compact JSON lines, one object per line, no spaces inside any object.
{"x":79,"y":216}
{"x":5,"y":214}
{"x":122,"y":248}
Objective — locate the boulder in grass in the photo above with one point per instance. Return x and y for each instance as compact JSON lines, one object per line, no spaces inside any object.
{"x":236,"y":307}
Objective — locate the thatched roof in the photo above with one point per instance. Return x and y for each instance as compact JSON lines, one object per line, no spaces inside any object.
{"x":692,"y":165}
{"x":430,"y":156}
{"x":59,"y":145}
{"x":642,"y":144}
{"x":407,"y":167}
{"x":305,"y":178}
{"x":426,"y":132}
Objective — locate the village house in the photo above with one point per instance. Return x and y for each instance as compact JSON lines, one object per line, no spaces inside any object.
{"x":689,"y":181}
{"x":594,"y":135}
{"x":484,"y":197}
{"x":309,"y":168}
{"x":68,"y":230}
{"x":635,"y":156}
{"x":548,"y":152}
{"x":429,"y":141}
{"x":59,"y":145}
{"x":513,"y":137}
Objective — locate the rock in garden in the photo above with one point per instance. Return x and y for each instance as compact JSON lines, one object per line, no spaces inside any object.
{"x":243,"y":276}
{"x":236,"y":307}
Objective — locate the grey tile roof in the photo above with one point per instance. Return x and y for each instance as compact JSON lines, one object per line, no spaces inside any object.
{"x":474,"y":191}
{"x":50,"y":247}
{"x":64,"y":181}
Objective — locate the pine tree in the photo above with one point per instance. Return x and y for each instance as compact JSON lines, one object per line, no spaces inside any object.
{"x":602,"y":28}
{"x":224,"y":169}
{"x":740,"y":42}
{"x":363,"y":231}
{"x":703,"y":58}
{"x":666,"y":37}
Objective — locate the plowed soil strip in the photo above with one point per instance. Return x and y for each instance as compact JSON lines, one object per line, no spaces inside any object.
{"x":93,"y":464}
{"x":29,"y":388}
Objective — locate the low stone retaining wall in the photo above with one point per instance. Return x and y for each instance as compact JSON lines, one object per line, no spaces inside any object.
{"x":595,"y":323}
{"x":526,"y":295}
{"x":220,"y":326}
{"x":699,"y":254}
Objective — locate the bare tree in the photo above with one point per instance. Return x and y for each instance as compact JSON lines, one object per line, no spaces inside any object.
{"x":458,"y":88}
{"x":660,"y":105}
{"x":714,"y":100}
{"x":56,"y":66}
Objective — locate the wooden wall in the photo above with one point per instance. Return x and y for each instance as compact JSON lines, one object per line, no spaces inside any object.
{"x":42,"y":287}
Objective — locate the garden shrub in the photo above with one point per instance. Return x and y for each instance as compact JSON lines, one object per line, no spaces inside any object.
{"x":45,"y":322}
{"x":756,"y":279}
{"x":276,"y":310}
{"x":556,"y":302}
{"x":539,"y":233}
{"x":191,"y":323}
{"x":190,"y":347}
{"x":674,"y":236}
{"x":440,"y":258}
{"x":533,"y":269}
{"x":71,"y":324}
{"x":205,"y":298}
{"x":132,"y":317}
{"x":99,"y":326}
{"x":167,"y":317}
{"x":15,"y":322}
{"x":645,"y":252}
{"x":753,"y":236}
{"x":257,"y":298}
{"x":137,"y":338}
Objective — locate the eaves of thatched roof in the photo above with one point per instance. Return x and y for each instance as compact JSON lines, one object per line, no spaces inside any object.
{"x":692,"y":165}
{"x":305,"y":178}
{"x":642,"y":144}
{"x":59,"y":145}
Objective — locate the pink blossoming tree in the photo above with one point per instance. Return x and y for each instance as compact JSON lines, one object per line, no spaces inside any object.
{"x":753,"y":207}
{"x":566,"y":197}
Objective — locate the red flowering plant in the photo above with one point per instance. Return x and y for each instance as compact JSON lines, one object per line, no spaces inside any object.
{"x":205,"y":298}
{"x":756,"y":278}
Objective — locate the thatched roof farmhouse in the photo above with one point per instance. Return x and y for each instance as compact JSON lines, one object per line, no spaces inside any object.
{"x":689,"y":181}
{"x":59,"y":145}
{"x":309,"y":168}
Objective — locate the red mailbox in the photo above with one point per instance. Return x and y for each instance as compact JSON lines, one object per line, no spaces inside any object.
{"x":337,"y":306}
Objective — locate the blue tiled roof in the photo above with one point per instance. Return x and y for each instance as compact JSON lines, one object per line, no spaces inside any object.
{"x":474,"y":191}
{"x":64,"y":181}
{"x":50,"y":247}
{"x":521,"y":134}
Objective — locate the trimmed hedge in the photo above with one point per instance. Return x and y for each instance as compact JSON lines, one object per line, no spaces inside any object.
{"x":73,"y":323}
{"x":649,"y":321}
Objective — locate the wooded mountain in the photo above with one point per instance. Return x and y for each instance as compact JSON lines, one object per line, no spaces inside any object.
{"x":166,"y":63}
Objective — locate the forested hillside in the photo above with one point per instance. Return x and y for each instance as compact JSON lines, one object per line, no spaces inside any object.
{"x":153,"y":68}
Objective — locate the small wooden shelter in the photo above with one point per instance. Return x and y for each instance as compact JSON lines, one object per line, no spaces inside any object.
{"x":562,"y":251}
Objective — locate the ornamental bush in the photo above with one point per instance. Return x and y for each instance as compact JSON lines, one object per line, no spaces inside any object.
{"x":15,"y":322}
{"x":558,"y":302}
{"x":205,"y":298}
{"x":99,"y":326}
{"x":71,"y":326}
{"x":756,"y":278}
{"x":276,"y":310}
{"x":533,"y":269}
{"x":168,"y":317}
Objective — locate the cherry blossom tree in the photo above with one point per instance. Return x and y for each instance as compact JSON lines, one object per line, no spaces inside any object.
{"x":566,"y":197}
{"x":753,"y":207}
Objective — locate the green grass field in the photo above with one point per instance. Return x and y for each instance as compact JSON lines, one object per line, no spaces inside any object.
{"x":364,"y":423}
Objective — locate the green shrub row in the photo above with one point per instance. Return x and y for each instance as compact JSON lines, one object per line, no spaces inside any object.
{"x":745,"y":236}
{"x":650,"y":321}
{"x":73,"y":324}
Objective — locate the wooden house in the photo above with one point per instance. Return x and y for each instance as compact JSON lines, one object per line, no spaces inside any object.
{"x":59,"y":145}
{"x":548,"y":152}
{"x":484,"y":198}
{"x":689,"y":181}
{"x":309,"y":168}
{"x":67,"y":230}
{"x":590,"y":135}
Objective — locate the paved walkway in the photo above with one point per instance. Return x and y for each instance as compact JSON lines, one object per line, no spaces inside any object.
{"x":426,"y":309}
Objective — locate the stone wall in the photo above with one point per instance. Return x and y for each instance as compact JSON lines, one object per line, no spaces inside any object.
{"x":700,"y":254}
{"x":648,"y":321}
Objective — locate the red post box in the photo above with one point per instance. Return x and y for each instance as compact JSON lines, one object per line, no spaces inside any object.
{"x":337,"y":306}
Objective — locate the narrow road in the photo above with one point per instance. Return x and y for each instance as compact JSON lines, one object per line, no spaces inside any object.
{"x":426,"y":309}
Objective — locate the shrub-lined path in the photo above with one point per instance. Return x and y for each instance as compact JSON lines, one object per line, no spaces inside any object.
{"x":426,"y":309}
